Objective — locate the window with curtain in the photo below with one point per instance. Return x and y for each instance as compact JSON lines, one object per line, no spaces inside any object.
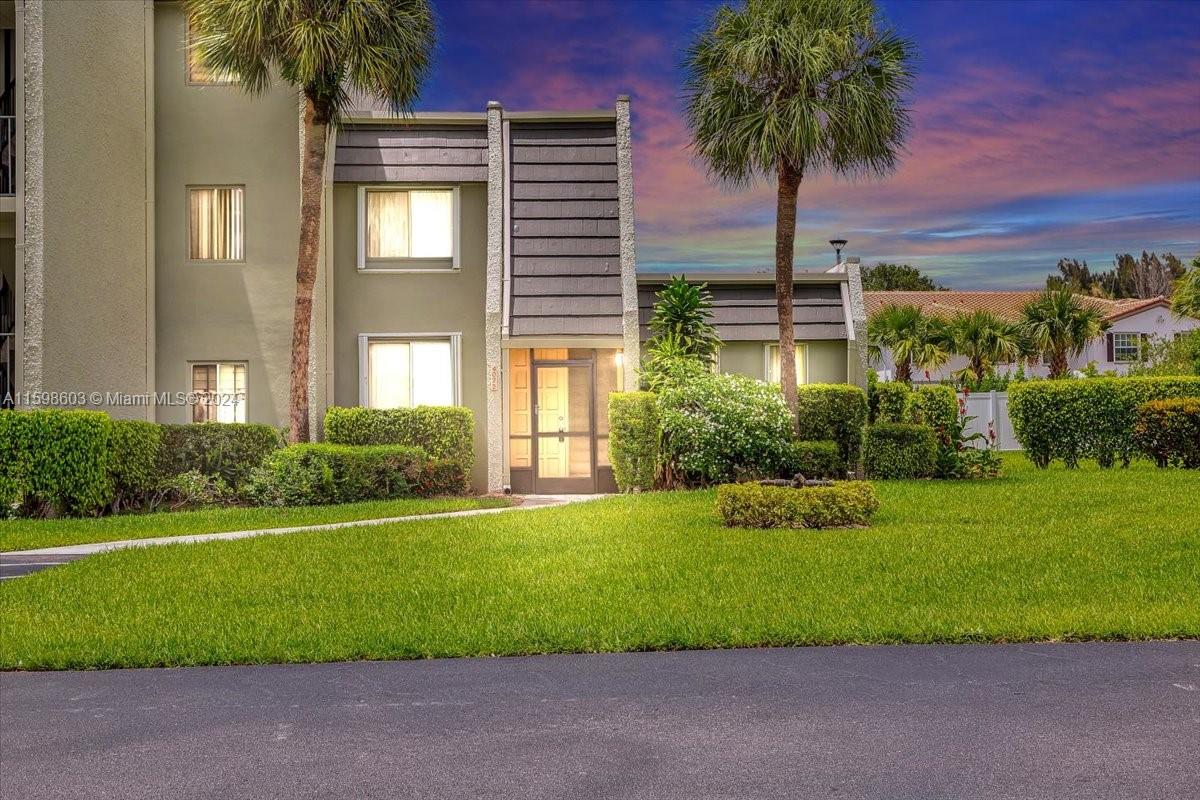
{"x":408,"y":224}
{"x":415,"y":372}
{"x":216,"y":229}
{"x":219,"y":392}
{"x":773,"y":365}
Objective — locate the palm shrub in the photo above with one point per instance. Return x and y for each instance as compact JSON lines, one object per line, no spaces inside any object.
{"x":1057,"y":326}
{"x":914,"y":339}
{"x":329,"y":51}
{"x":1185,"y":299}
{"x":984,"y":340}
{"x":683,"y":312}
{"x":780,"y":89}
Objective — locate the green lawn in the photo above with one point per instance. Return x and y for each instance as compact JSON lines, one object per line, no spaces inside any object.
{"x":1033,"y":556}
{"x":26,"y":534}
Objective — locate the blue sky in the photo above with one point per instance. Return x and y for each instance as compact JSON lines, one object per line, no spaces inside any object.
{"x":1042,"y":130}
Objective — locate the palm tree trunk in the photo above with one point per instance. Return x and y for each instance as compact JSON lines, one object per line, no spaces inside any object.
{"x":312,"y":192}
{"x":904,"y":371}
{"x":785,"y":241}
{"x":1058,"y":363}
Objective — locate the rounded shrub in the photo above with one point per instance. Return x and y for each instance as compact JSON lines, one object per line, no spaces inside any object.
{"x":55,"y":461}
{"x":843,"y":505}
{"x":722,"y":427}
{"x":634,"y":436}
{"x":134,"y":448}
{"x":444,"y":432}
{"x":321,"y":474}
{"x":227,"y":450}
{"x":899,"y":450}
{"x":936,"y":406}
{"x":813,"y":460}
{"x":833,"y":412}
{"x":1168,"y":432}
{"x":890,"y":401}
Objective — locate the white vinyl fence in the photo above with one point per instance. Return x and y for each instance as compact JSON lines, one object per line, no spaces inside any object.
{"x":991,"y":408}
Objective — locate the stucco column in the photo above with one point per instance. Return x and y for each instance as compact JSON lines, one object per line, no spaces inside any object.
{"x":494,"y":299}
{"x":856,"y":335}
{"x":31,"y":280}
{"x":629,"y":293}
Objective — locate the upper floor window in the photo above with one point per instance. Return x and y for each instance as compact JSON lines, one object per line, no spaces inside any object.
{"x":408,"y":228}
{"x":411,"y":371}
{"x":199,"y":73}
{"x":774,"y":365}
{"x":216,"y":223}
{"x":1126,"y":346}
{"x":219,"y":392}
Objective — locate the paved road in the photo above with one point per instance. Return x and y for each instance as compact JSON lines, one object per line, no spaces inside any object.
{"x":17,"y":566}
{"x":1044,"y":721}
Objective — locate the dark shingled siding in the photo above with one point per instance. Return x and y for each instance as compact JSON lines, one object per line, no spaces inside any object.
{"x":411,"y":153}
{"x":746,"y":312}
{"x":565,"y":242}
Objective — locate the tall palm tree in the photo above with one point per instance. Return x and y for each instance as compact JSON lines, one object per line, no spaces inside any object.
{"x":329,"y":50}
{"x":1058,"y":326}
{"x":913,"y":339}
{"x":1185,"y":300}
{"x":985,"y":340}
{"x":788,"y":88}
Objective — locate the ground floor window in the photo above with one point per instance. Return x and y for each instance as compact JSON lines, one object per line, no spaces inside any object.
{"x":774,"y":368}
{"x":219,"y":392}
{"x":1125,"y":346}
{"x":409,"y":370}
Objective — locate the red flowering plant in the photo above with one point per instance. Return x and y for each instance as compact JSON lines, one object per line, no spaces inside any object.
{"x":963,"y":455}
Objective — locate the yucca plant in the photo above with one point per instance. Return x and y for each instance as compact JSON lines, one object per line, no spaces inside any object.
{"x":328,"y":50}
{"x":1057,"y":326}
{"x":913,"y":339}
{"x":781,"y":89}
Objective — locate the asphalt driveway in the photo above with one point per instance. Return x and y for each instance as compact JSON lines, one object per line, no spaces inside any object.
{"x":1010,"y":721}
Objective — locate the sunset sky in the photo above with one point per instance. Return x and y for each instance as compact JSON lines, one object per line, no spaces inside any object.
{"x":1042,"y":130}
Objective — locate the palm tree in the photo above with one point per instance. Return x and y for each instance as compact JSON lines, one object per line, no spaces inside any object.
{"x":913,"y":339}
{"x":1185,"y":300}
{"x":985,"y":340}
{"x":1058,"y":326}
{"x":785,"y":88}
{"x":328,"y":50}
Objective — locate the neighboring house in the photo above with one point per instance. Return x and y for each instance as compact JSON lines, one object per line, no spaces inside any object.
{"x":1132,"y":324}
{"x":829,"y":321}
{"x":148,"y":240}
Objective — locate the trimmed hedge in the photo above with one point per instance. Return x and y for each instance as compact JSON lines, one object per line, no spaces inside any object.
{"x":898,"y":450}
{"x":1168,"y":432}
{"x":843,"y":505}
{"x":834,"y":412}
{"x":634,"y":439}
{"x":133,"y":461}
{"x":226,"y":450}
{"x":891,"y":401}
{"x":1093,"y":418}
{"x":444,"y":432}
{"x":321,"y":474}
{"x":55,"y":461}
{"x":935,"y":406}
{"x":814,"y":460}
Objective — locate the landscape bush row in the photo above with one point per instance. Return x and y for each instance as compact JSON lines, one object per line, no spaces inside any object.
{"x":1098,"y":418}
{"x":56,"y":462}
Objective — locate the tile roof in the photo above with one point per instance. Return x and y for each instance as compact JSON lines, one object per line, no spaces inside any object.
{"x":1006,"y":305}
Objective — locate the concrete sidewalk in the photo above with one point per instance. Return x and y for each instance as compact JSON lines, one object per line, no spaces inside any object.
{"x":17,"y":563}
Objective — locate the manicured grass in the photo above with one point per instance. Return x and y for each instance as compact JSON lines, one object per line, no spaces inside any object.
{"x":27,"y":534}
{"x":1034,"y":556}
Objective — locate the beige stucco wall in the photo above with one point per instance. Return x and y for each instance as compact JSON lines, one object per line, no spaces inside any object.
{"x":97,"y":276}
{"x":450,"y":302}
{"x":826,"y":360}
{"x":213,"y":311}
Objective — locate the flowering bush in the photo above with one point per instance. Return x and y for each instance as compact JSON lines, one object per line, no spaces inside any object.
{"x":962,"y":455}
{"x":722,"y":427}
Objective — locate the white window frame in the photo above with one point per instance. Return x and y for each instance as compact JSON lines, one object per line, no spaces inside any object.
{"x":218,"y":363}
{"x":381,"y":265}
{"x":800,"y":379}
{"x":187,"y":223}
{"x":364,"y":378}
{"x":1137,"y":346}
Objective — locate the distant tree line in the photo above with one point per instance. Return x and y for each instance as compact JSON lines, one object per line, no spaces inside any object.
{"x":1149,"y":276}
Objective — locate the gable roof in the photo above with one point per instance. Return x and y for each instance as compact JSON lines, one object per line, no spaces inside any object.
{"x":1005,"y":305}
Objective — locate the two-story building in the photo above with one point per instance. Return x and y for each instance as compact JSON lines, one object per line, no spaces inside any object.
{"x":483,"y":258}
